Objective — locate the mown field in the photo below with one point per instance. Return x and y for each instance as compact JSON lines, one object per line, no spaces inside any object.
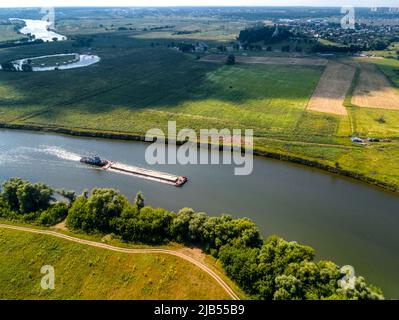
{"x":141,"y":84}
{"x":7,"y":33}
{"x":83,"y":272}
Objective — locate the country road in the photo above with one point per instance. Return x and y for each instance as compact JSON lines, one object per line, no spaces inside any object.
{"x":176,"y":253}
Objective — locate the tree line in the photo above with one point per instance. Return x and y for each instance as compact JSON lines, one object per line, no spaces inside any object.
{"x":271,"y":268}
{"x":265,"y":34}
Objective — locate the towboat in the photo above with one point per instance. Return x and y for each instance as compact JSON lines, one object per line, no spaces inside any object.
{"x":95,"y":161}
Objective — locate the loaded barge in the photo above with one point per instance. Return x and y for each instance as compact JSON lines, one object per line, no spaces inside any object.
{"x":116,"y":167}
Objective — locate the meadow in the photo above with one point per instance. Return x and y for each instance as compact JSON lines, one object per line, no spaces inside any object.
{"x":92,"y":273}
{"x":140,"y":84}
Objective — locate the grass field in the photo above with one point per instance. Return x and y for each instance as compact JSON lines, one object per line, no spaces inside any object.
{"x":332,"y":88}
{"x":52,"y":61}
{"x":390,"y":67}
{"x":374,"y":90}
{"x":138,"y":86}
{"x":7,"y":33}
{"x":83,"y":272}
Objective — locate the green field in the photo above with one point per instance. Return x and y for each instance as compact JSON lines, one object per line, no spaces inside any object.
{"x":390,"y":52}
{"x":390,"y":67}
{"x":52,"y":61}
{"x":83,"y":272}
{"x":140,"y":84}
{"x":7,"y":33}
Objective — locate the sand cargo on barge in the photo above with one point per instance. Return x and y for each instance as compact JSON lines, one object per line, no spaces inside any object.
{"x":153,"y":175}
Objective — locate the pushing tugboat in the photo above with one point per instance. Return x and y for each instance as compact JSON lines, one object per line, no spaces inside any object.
{"x":177,"y":181}
{"x":94,"y":161}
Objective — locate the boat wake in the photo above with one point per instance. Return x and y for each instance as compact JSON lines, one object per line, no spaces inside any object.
{"x":61,"y":153}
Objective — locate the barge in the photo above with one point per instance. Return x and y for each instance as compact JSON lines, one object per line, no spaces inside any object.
{"x":116,"y":167}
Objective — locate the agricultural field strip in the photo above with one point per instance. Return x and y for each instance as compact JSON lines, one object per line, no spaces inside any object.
{"x":374,"y":90}
{"x":333,"y":86}
{"x":269,"y":60}
{"x":176,"y":253}
{"x":94,"y":93}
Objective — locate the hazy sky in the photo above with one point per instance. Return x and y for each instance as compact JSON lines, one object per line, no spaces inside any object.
{"x":133,"y":3}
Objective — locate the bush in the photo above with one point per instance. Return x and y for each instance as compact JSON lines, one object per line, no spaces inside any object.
{"x":54,"y":215}
{"x":231,"y":59}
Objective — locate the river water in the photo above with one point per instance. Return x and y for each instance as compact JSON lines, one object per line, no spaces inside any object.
{"x":345,"y":221}
{"x":40,"y":29}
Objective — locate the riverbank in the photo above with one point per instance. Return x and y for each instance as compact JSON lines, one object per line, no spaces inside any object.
{"x":236,"y":243}
{"x":258,"y":151}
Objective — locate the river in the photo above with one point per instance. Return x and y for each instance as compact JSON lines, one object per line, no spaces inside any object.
{"x":345,"y":221}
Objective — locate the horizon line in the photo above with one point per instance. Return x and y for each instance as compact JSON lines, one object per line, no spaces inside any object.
{"x":200,"y":6}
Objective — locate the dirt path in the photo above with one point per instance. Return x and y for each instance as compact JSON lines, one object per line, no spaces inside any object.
{"x":176,"y":253}
{"x":332,"y":88}
{"x":374,"y":90}
{"x":269,"y":60}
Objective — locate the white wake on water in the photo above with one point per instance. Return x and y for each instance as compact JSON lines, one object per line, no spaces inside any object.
{"x":61,"y":153}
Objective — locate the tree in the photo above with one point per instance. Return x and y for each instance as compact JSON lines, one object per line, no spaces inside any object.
{"x":97,"y":212}
{"x":181,"y":224}
{"x":147,"y":225}
{"x":9,"y":193}
{"x":195,"y":227}
{"x":26,"y":67}
{"x":34,"y":197}
{"x":287,"y":288}
{"x":241,"y":264}
{"x":8,"y":66}
{"x":78,"y":217}
{"x":25,"y":197}
{"x":139,"y":200}
{"x":231,"y":59}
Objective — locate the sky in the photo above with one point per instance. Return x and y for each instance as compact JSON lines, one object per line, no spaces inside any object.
{"x":155,"y":3}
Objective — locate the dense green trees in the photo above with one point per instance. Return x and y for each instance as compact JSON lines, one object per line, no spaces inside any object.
{"x":265,"y":269}
{"x":96,"y":213}
{"x":284,"y":270}
{"x":8,"y":66}
{"x":26,"y":197}
{"x":27,"y":67}
{"x":266,"y":34}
